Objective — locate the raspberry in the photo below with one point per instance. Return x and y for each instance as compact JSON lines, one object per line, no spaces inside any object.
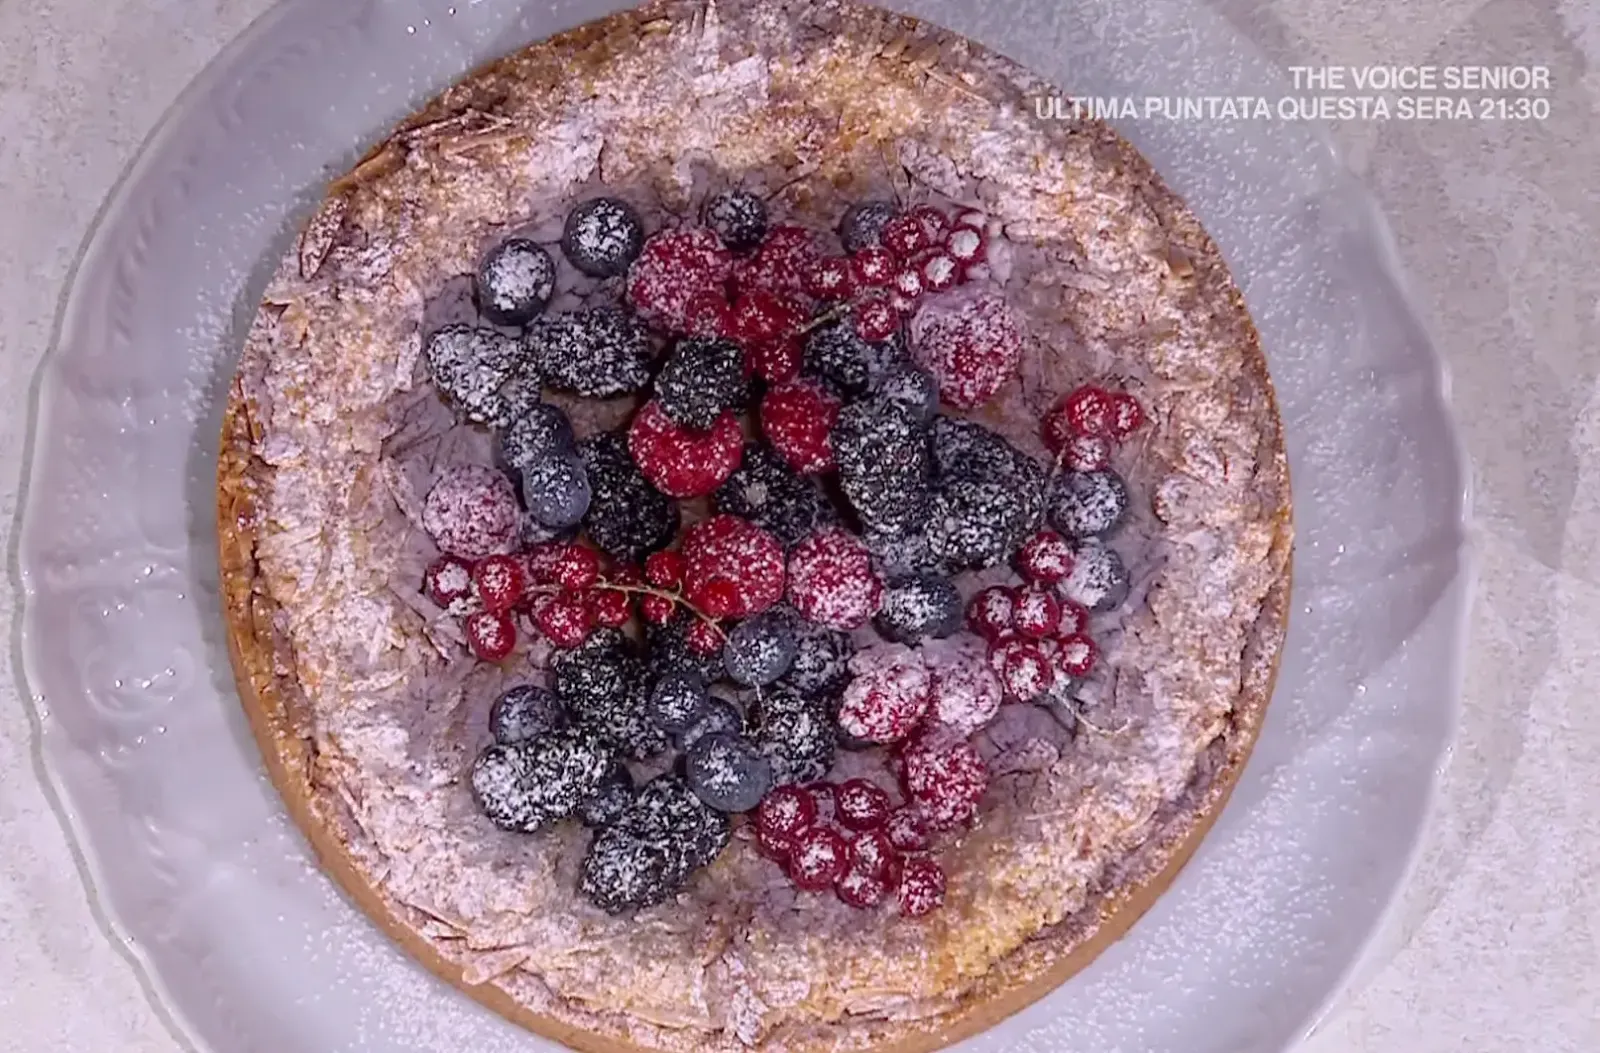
{"x":1075,"y":655}
{"x":1025,"y":672}
{"x":657,"y":610}
{"x":818,"y":859}
{"x":1038,"y":614}
{"x":939,"y":272}
{"x":972,"y":345}
{"x":782,"y":816}
{"x":1074,"y":619}
{"x":565,"y":620}
{"x":906,"y":831}
{"x":472,"y":512}
{"x":888,"y":697}
{"x":946,"y":782}
{"x":490,"y":634}
{"x":499,"y":582}
{"x":781,"y":262}
{"x":447,"y":580}
{"x":921,"y":887}
{"x":1045,"y":559}
{"x":761,"y":317}
{"x":664,"y":569}
{"x":796,"y":418}
{"x":703,"y":638}
{"x":1085,"y":410}
{"x":873,"y":267}
{"x":935,"y":224}
{"x":990,"y":612}
{"x":776,"y":361}
{"x":609,"y":608}
{"x":904,"y":236}
{"x":577,"y":567}
{"x":875,"y":318}
{"x":832,"y":582}
{"x":861,"y":805}
{"x":967,"y":245}
{"x":860,"y":890}
{"x":728,"y":549}
{"x":872,"y":854}
{"x":680,"y":462}
{"x":674,"y":269}
{"x":1126,"y":416}
{"x":1087,"y":453}
{"x":966,"y":692}
{"x":830,"y":279}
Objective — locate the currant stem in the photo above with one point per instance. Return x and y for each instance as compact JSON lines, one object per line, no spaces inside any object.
{"x":649,"y":590}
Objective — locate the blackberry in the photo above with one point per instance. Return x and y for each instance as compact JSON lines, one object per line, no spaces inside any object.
{"x":524,"y":713}
{"x":678,"y":700}
{"x":702,"y":378}
{"x":531,"y":784}
{"x":622,"y":872}
{"x":515,"y":282}
{"x":976,"y":522}
{"x":760,"y":649}
{"x":597,"y":352}
{"x":538,"y":433}
{"x":739,"y":218}
{"x":609,"y":801}
{"x":628,"y":518}
{"x":862,"y":225}
{"x":845,"y":363}
{"x":720,"y":716}
{"x":821,"y":666}
{"x":967,"y":449}
{"x":1088,"y":504}
{"x":666,"y":810}
{"x":727,"y":772}
{"x":605,"y":687}
{"x":602,"y":236}
{"x":1099,"y":579}
{"x":911,"y":388}
{"x":474,"y":368}
{"x":668,"y":650}
{"x":797,"y":734}
{"x":556,"y":491}
{"x":884,"y":461}
{"x":901,"y":555}
{"x":928,"y":605}
{"x":770,"y":494}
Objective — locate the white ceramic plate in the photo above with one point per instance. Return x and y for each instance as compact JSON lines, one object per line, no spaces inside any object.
{"x":251,"y":948}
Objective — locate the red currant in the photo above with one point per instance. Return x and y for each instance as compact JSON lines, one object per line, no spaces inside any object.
{"x":939,"y":272}
{"x":906,"y":831}
{"x":490,"y":634}
{"x":967,"y":245}
{"x":499,"y":581}
{"x":1026,"y":673}
{"x":447,"y":580}
{"x":861,"y":805}
{"x":830,"y":278}
{"x":578,"y":567}
{"x":860,"y":890}
{"x":818,"y":859}
{"x":875,"y":318}
{"x":1087,"y":453}
{"x":904,"y":235}
{"x":565,"y":620}
{"x":935,"y":224}
{"x":542,"y":561}
{"x":873,"y":267}
{"x":1038,"y":613}
{"x":1127,"y":416}
{"x":664,"y":569}
{"x":921,"y":887}
{"x":657,"y":610}
{"x":1074,"y":619}
{"x":872,"y":853}
{"x":782,"y":816}
{"x":703,"y":638}
{"x":1045,"y":558}
{"x":1075,"y":655}
{"x":609,"y":607}
{"x":1085,"y":411}
{"x":990,"y":612}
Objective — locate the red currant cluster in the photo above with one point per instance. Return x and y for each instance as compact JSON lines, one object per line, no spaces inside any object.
{"x":1037,"y":640}
{"x":1087,"y":422}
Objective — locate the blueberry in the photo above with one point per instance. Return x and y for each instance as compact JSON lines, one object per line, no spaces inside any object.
{"x":759,"y":650}
{"x":515,"y":282}
{"x":609,"y":801}
{"x":739,"y":218}
{"x":556,"y":491}
{"x":1099,"y":579}
{"x":821,"y":666}
{"x":525,"y":786}
{"x":928,"y":605}
{"x":524,"y":713}
{"x":862,"y":225}
{"x":727,"y":772}
{"x":702,"y":378}
{"x":597,"y":352}
{"x":1088,"y":504}
{"x":720,"y":716}
{"x":539,"y":432}
{"x":602,"y":236}
{"x":678,"y":701}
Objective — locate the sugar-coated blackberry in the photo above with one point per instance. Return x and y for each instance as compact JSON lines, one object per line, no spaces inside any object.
{"x":862,"y":225}
{"x":472,"y":366}
{"x":974,"y":521}
{"x":678,"y":700}
{"x":667,"y":810}
{"x":727,"y":772}
{"x":606,"y":688}
{"x":608,"y":802}
{"x":719,"y":716}
{"x":668,"y":650}
{"x":597,"y":352}
{"x":524,"y":713}
{"x":773,"y":496}
{"x":628,"y":518}
{"x":623,"y":872}
{"x":966,"y":449}
{"x":1099,"y":580}
{"x":915,"y":608}
{"x":602,"y":236}
{"x":701,"y":378}
{"x":912,"y":388}
{"x":902,"y":555}
{"x":515,"y":281}
{"x":760,"y":649}
{"x":525,"y":786}
{"x":884,"y":461}
{"x":556,"y":490}
{"x":847,"y":365}
{"x":821,"y":666}
{"x":739,"y":218}
{"x":1088,"y":504}
{"x":538,"y":433}
{"x":797,"y":734}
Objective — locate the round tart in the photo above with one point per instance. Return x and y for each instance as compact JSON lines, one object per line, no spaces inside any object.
{"x":736,"y":535}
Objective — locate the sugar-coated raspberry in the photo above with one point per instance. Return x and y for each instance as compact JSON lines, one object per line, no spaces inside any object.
{"x":966,"y":691}
{"x":782,"y":816}
{"x":1087,"y":453}
{"x":861,"y":804}
{"x":906,"y":831}
{"x":1075,"y":655}
{"x":760,"y":317}
{"x":921,"y":887}
{"x":664,"y":569}
{"x":970,"y":342}
{"x":609,"y":607}
{"x":499,"y":582}
{"x":990,"y":612}
{"x":889,"y":695}
{"x":860,"y":890}
{"x":832,"y":581}
{"x":708,"y":314}
{"x":447,"y":580}
{"x":1126,"y":416}
{"x":1085,"y":410}
{"x":830,"y":278}
{"x":490,"y":634}
{"x":472,"y":512}
{"x":727,"y":548}
{"x":904,"y":236}
{"x":780,"y":263}
{"x":681,"y":462}
{"x":939,"y":271}
{"x":967,"y":245}
{"x":796,"y":419}
{"x":1037,"y":614}
{"x":657,"y":610}
{"x":872,"y":853}
{"x":1025,"y":672}
{"x":1045,"y":558}
{"x":875,"y":318}
{"x":818,"y":859}
{"x":675,"y":269}
{"x":935,"y":767}
{"x":577,"y":567}
{"x":874,"y":267}
{"x":565,"y":619}
{"x":1074,"y":619}
{"x":703,"y":638}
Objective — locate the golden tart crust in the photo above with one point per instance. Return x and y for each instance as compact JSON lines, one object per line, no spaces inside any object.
{"x":368,"y":713}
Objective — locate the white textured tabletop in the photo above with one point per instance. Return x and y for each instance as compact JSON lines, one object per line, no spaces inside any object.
{"x":1496,"y":943}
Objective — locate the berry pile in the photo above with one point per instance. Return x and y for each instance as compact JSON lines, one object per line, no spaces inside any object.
{"x":735,"y":654}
